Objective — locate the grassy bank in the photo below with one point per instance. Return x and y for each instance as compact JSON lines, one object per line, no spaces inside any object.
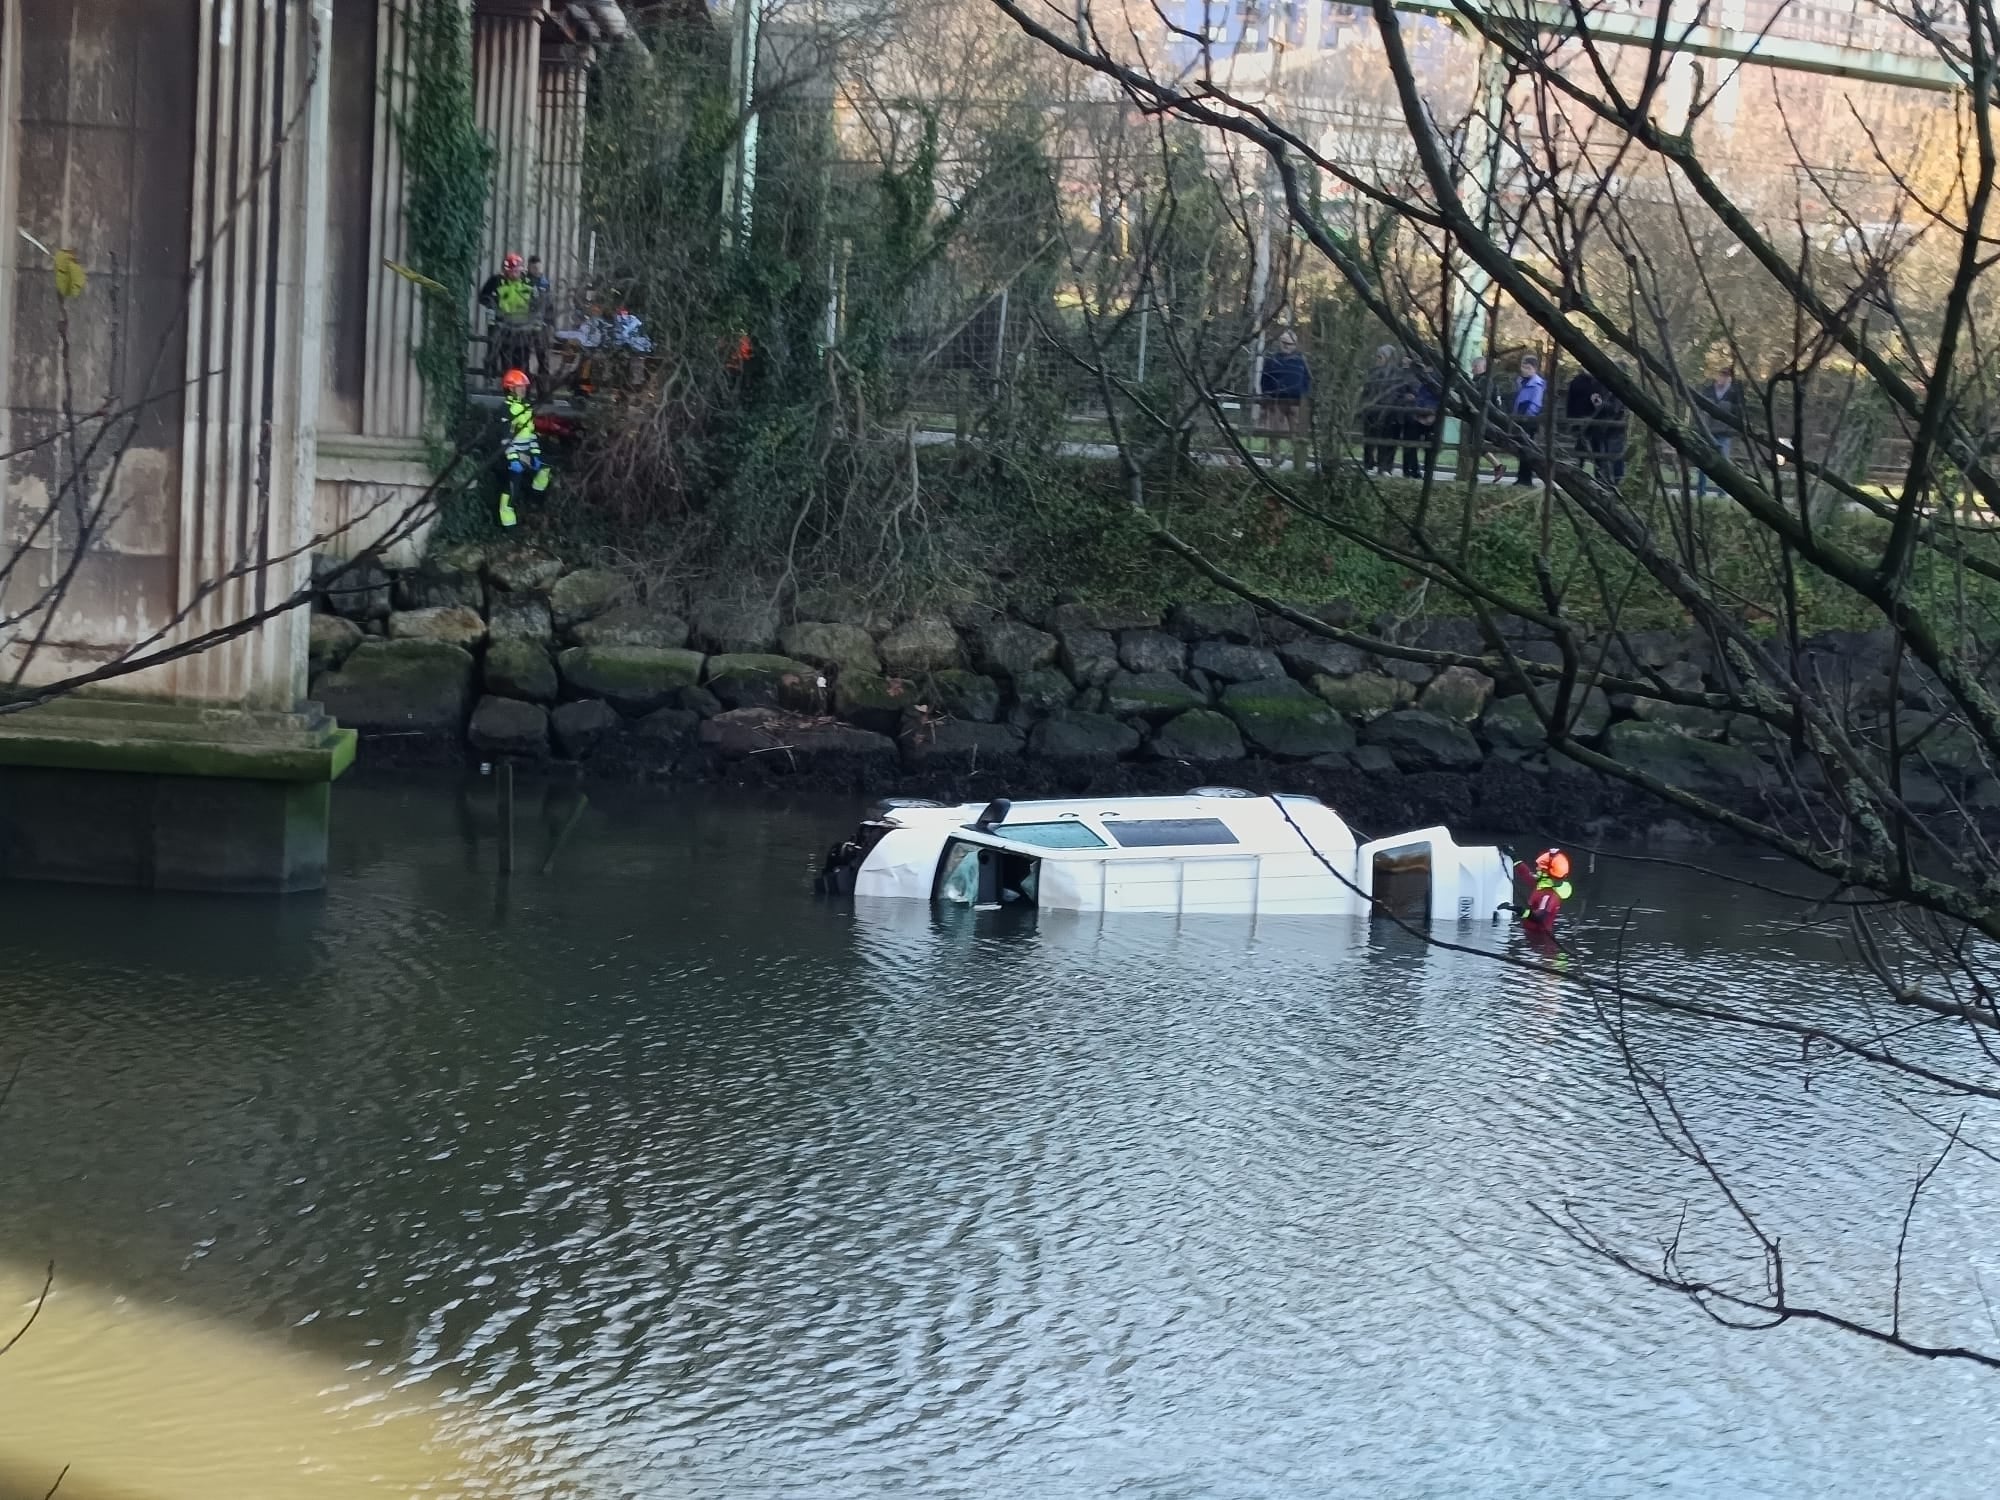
{"x":1066,"y":531}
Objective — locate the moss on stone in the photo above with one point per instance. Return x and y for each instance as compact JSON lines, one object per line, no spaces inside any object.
{"x":635,"y":679}
{"x":755,"y":679}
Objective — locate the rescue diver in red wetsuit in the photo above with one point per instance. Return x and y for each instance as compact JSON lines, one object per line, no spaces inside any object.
{"x":1550,"y":874}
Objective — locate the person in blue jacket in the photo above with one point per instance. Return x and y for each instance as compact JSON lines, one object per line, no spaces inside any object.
{"x":1284,"y":384}
{"x":1527,"y":414}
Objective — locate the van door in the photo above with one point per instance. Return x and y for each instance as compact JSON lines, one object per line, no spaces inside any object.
{"x":1413,"y":876}
{"x":972,"y":874}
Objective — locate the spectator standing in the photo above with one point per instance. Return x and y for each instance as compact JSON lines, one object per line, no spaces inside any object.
{"x":1527,"y":414}
{"x":1284,"y":383}
{"x":1382,"y":406}
{"x":1609,"y":431}
{"x":1494,"y":402}
{"x":1721,"y":416}
{"x":1420,"y":422}
{"x":1596,"y":421}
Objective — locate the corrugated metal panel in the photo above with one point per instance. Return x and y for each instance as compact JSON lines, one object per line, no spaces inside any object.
{"x":506,"y":69}
{"x":559,"y":202}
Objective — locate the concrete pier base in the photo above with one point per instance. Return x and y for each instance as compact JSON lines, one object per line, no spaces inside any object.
{"x":168,"y":796}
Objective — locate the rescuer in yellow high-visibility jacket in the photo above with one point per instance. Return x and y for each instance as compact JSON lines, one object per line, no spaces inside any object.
{"x":522,"y":454}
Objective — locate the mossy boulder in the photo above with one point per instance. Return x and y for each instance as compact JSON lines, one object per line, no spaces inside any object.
{"x":872,"y":700}
{"x":925,"y":644}
{"x":1233,"y":663}
{"x":585,"y":594}
{"x":1702,"y":723}
{"x":1283,"y":718}
{"x":1104,"y":618}
{"x":667,"y":730}
{"x":1312,"y":656}
{"x":581,"y":728}
{"x":1419,"y":740}
{"x":1088,"y":656}
{"x":827,"y":644}
{"x":1230,"y":621}
{"x":632,"y":625}
{"x":842,"y":604}
{"x":1943,"y":741}
{"x":1514,"y":723}
{"x":1007,"y":648}
{"x":1681,"y":760}
{"x":1457,"y":693}
{"x":633,"y":679}
{"x":457,"y":624}
{"x":400,"y":686}
{"x":735,"y":626}
{"x":1201,"y":735}
{"x":958,"y":694}
{"x":507,"y":726}
{"x":521,"y":570}
{"x":755,"y":679}
{"x":519,"y":617}
{"x":1151,"y":651}
{"x":357,"y":588}
{"x":520,"y":669}
{"x":449,"y":577}
{"x":331,"y":639}
{"x":1363,"y":695}
{"x":786,"y":741}
{"x":1153,"y":696}
{"x":960,"y":745}
{"x":1042,"y":691}
{"x":1082,"y":737}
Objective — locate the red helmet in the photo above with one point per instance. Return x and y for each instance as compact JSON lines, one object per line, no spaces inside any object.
{"x":511,"y":263}
{"x":514,"y":381}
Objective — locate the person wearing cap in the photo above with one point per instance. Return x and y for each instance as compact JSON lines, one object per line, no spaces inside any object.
{"x":522,"y":454}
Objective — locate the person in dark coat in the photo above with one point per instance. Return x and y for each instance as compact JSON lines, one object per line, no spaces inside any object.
{"x":1597,"y":421}
{"x":1420,"y":423}
{"x":1382,"y":404}
{"x":1721,"y":414}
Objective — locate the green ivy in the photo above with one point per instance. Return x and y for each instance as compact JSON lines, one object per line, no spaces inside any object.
{"x":447,"y":164}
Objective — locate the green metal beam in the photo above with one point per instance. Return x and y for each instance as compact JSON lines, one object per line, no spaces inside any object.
{"x":1912,"y":70}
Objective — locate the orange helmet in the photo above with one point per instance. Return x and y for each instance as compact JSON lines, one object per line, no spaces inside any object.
{"x":511,"y":263}
{"x":1552,"y":863}
{"x":514,"y":382}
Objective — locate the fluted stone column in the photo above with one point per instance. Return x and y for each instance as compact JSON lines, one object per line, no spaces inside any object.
{"x":177,"y":149}
{"x":255,"y":259}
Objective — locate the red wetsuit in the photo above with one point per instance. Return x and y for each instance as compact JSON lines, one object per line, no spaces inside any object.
{"x":1545,"y":903}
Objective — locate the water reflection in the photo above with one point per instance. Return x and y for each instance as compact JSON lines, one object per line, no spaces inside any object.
{"x":697,"y":1186}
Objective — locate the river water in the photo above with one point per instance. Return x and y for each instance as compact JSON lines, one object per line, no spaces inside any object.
{"x":654,"y":1176}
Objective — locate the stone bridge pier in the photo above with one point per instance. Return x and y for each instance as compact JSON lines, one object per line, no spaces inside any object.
{"x":230,"y":393}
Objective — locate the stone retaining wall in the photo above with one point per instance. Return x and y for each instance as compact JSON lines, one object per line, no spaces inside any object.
{"x":483,"y":653}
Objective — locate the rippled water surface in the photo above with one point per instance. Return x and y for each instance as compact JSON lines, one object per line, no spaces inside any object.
{"x":653,"y":1176}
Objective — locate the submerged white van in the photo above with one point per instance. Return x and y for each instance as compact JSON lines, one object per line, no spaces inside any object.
{"x":1216,"y":849}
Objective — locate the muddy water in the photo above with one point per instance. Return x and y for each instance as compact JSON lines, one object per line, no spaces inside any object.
{"x":652,"y":1176}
